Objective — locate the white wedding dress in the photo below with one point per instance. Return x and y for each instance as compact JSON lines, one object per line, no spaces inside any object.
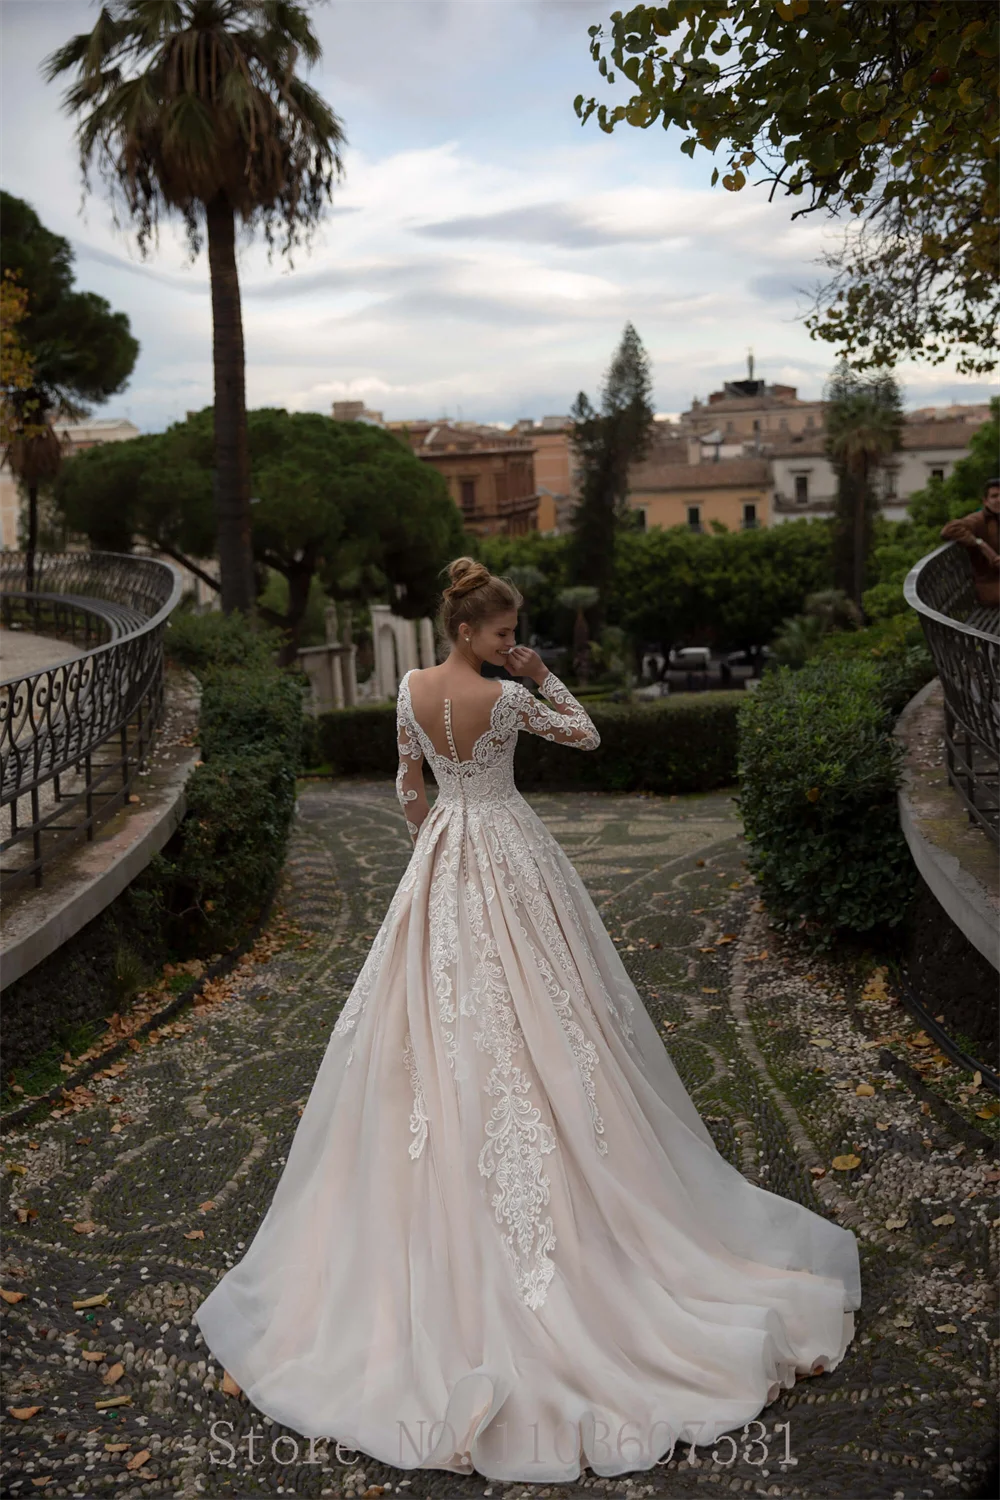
{"x":504,"y":1239}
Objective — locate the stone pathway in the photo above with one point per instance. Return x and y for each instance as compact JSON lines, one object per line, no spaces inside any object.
{"x":155,"y":1177}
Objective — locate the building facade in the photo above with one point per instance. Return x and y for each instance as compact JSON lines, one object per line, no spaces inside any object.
{"x":733,"y":491}
{"x":805,"y":482}
{"x":490,"y":473}
{"x":74,"y":437}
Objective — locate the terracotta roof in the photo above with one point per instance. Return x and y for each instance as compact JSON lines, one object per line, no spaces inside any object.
{"x":654,"y":475}
{"x":915,"y":435}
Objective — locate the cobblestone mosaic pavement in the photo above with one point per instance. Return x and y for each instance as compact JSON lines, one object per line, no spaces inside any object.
{"x":155,"y":1178}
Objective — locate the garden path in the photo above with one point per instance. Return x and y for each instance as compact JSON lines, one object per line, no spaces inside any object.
{"x":158,"y":1174}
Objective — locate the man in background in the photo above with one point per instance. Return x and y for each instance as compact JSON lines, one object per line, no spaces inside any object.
{"x":980,"y":535}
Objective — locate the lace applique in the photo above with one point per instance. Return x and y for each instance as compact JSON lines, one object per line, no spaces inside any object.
{"x":418,"y":1119}
{"x":516,"y":1136}
{"x":575,"y":727}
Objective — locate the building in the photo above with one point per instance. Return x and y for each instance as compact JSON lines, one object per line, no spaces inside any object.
{"x":356,"y":411}
{"x":556,"y":470}
{"x":670,"y":490}
{"x":751,"y":411}
{"x":74,"y":438}
{"x":805,"y":483}
{"x":490,"y":472}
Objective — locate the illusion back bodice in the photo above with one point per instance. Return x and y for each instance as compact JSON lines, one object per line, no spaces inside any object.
{"x":486,"y":776}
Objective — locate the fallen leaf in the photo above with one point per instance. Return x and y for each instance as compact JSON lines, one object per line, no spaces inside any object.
{"x":86,"y":1227}
{"x":944,"y":1219}
{"x":903,"y":1322}
{"x":12,"y":1297}
{"x":945,"y":1328}
{"x":865,"y":1090}
{"x":881,"y":1125}
{"x":818,"y":1171}
{"x":708,"y":992}
{"x":41,"y":1480}
{"x":114,"y":1374}
{"x":113,"y":1401}
{"x":23,"y":1413}
{"x":15,"y":1169}
{"x":209,"y":1203}
{"x":101,"y":1300}
{"x":117,"y":1447}
{"x":83,"y":1140}
{"x":896,"y":1223}
{"x":140,"y":1458}
{"x":229,"y":1386}
{"x":194,"y":1234}
{"x":93,"y":1354}
{"x":846,"y":1163}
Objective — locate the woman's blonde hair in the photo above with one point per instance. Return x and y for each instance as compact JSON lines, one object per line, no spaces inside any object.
{"x":473,"y":595}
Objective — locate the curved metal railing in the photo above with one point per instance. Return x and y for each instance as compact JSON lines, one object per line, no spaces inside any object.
{"x":74,"y":736}
{"x":964,"y":640}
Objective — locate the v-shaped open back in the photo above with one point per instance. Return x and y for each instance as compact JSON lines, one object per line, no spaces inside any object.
{"x":449,"y":751}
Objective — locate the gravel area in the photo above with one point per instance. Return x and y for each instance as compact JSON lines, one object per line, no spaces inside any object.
{"x":123,"y":1206}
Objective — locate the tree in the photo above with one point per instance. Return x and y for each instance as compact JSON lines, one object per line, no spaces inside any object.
{"x":16,"y":365}
{"x":578,"y":600}
{"x":886,"y":113}
{"x":864,"y":420}
{"x":194,"y":106}
{"x":607,"y":443}
{"x":343,"y":502}
{"x":79,"y":351}
{"x":731,"y":590}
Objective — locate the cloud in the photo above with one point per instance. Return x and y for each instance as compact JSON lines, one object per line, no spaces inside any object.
{"x":483,"y":251}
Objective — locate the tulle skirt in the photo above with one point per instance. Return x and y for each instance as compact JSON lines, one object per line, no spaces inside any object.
{"x":504,"y":1239}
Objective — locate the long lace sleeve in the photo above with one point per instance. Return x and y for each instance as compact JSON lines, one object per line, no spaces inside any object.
{"x":566,"y":722}
{"x":410,"y":787}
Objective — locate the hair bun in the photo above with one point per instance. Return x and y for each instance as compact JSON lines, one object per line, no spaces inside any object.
{"x":466,"y":574}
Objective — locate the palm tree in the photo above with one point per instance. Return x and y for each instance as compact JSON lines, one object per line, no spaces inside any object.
{"x":194,"y":106}
{"x":526,"y":578}
{"x":580,"y":598}
{"x":863,"y":426}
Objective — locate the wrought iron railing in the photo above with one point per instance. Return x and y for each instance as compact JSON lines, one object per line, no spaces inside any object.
{"x":964,"y":640}
{"x":74,"y":736}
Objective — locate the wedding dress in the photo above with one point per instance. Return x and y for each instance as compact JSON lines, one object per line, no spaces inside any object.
{"x":504,"y":1239}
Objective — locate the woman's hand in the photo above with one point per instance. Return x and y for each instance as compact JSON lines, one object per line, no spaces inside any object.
{"x":523,"y":662}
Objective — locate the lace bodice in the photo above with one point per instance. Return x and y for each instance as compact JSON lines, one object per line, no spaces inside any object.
{"x":487,"y":776}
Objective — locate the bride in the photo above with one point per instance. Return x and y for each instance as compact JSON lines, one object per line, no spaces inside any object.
{"x":504,"y":1240}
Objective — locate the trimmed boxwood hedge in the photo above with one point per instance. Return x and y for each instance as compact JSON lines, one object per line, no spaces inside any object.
{"x":199,"y":895}
{"x":686,"y":743}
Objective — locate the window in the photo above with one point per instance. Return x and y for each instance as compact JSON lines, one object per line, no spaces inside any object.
{"x":640,"y":517}
{"x":890,"y":484}
{"x":802,"y":489}
{"x":809,"y":421}
{"x":937,"y":473}
{"x":729,"y":426}
{"x":468,"y":488}
{"x":749,"y":515}
{"x":783,"y":424}
{"x":694,"y":517}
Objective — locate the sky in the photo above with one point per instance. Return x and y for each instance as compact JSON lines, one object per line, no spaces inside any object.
{"x":483,"y":251}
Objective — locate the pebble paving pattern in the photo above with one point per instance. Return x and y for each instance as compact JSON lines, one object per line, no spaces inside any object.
{"x":168,"y":1167}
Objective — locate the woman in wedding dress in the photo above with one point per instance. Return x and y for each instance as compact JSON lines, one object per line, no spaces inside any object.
{"x":504,"y":1240}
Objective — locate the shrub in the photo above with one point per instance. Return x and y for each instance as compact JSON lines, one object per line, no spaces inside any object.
{"x":686,"y":743}
{"x":201,"y":893}
{"x":819,"y":771}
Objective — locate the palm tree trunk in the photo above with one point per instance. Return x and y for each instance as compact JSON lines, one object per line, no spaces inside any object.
{"x":232,"y":449}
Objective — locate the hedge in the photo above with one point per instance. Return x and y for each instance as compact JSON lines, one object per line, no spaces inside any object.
{"x":210,"y":882}
{"x":819,"y":772}
{"x":686,"y":743}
